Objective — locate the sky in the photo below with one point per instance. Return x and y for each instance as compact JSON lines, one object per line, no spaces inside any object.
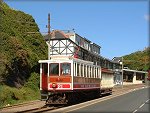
{"x":120,"y":27}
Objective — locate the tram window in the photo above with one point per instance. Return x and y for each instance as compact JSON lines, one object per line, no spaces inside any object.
{"x":45,"y":68}
{"x":97,"y":73}
{"x":81,"y":70}
{"x":54,"y":69}
{"x":65,"y":69}
{"x":74,"y":69}
{"x":78,"y":69}
{"x":85,"y":71}
{"x":88,"y":71}
{"x":93,"y":72}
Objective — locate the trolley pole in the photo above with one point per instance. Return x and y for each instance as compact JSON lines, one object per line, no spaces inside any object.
{"x":49,"y":36}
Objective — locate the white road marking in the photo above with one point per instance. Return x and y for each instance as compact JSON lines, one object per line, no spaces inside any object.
{"x":147,"y":100}
{"x":141,"y":106}
{"x":134,"y":111}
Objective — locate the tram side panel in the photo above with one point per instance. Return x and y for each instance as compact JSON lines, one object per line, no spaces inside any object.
{"x":86,"y":76}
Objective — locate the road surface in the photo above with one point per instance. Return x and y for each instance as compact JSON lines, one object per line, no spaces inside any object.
{"x":133,"y":102}
{"x":129,"y":101}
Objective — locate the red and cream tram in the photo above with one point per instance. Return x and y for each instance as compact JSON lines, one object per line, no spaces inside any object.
{"x":64,"y":76}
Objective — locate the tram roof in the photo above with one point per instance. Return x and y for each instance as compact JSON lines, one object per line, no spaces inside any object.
{"x":60,"y":57}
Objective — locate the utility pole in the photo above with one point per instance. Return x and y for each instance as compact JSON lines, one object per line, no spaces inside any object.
{"x":49,"y":36}
{"x":48,"y":24}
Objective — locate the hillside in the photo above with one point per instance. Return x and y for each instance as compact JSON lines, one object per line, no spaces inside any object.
{"x":20,"y":51}
{"x":139,"y":60}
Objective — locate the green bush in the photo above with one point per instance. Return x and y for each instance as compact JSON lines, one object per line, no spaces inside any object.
{"x":138,"y":60}
{"x":19,"y":55}
{"x":9,"y":95}
{"x":20,"y":50}
{"x":33,"y":82}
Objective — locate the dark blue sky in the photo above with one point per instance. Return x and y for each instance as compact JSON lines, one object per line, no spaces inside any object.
{"x":119,"y":27}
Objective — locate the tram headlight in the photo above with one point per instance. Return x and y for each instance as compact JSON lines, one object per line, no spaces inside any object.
{"x":54,"y":85}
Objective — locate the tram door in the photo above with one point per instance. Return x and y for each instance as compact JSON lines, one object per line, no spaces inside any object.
{"x":44,"y":76}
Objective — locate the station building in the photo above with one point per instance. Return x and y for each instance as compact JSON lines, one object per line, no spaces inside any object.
{"x":126,"y":76}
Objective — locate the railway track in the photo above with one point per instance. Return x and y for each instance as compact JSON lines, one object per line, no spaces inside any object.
{"x":21,"y":104}
{"x":41,"y":109}
{"x":33,"y":107}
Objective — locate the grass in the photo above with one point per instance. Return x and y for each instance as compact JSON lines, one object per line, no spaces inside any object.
{"x":30,"y":91}
{"x":9,"y":95}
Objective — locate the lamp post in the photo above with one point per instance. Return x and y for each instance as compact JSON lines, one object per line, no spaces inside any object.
{"x":122,"y":69}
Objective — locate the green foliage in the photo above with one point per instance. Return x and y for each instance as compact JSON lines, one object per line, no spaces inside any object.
{"x":33,"y":82}
{"x":20,"y":51}
{"x":138,"y":60}
{"x":11,"y":95}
